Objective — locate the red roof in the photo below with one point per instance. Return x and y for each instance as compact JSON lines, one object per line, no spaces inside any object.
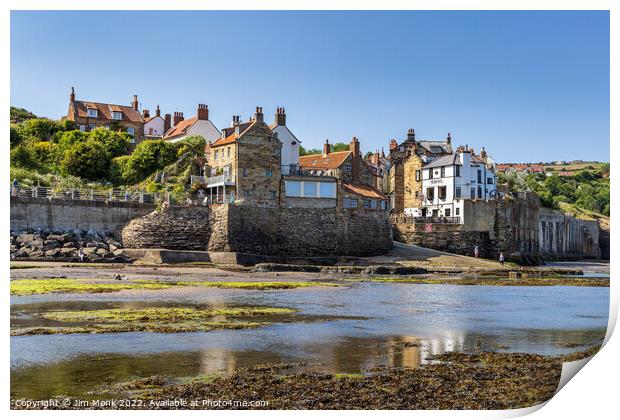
{"x":104,"y":111}
{"x":332,"y":160}
{"x":181,"y":128}
{"x":363,"y":190}
{"x":231,"y":137}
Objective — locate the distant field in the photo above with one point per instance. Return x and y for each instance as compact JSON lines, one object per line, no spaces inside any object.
{"x":574,"y":166}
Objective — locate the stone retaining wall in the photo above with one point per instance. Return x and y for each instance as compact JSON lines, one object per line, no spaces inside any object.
{"x":274,"y":231}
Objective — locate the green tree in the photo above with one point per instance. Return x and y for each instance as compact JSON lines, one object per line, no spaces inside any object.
{"x":22,"y":156}
{"x":339,"y":147}
{"x":20,"y":114}
{"x":89,"y":159}
{"x":148,"y":157}
{"x":15,"y":136}
{"x":305,"y":152}
{"x":116,"y":143}
{"x":39,"y":129}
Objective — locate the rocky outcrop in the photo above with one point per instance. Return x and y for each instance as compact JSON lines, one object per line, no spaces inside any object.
{"x":65,"y":246}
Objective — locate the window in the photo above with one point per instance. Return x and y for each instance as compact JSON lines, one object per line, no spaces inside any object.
{"x":117,"y":115}
{"x":479,"y":176}
{"x":457,"y":192}
{"x":417,"y":194}
{"x":457,"y":211}
{"x":472,"y":193}
{"x":347,"y":168}
{"x":490,"y":181}
{"x":430,"y":174}
{"x":91,"y":127}
{"x":272,"y":195}
{"x":373,"y":204}
{"x":442,"y":193}
{"x":293,"y":188}
{"x":479,"y":192}
{"x":310,"y":189}
{"x":245,"y":171}
{"x":349,"y":203}
{"x":92,"y":113}
{"x":430,"y":194}
{"x":417,"y":175}
{"x":268,"y":172}
{"x":215,"y":155}
{"x":457,"y":170}
{"x":327,"y":189}
{"x":367,"y":204}
{"x":228,"y":152}
{"x":447,"y":212}
{"x":383,"y":205}
{"x":443,"y":171}
{"x":131,"y":131}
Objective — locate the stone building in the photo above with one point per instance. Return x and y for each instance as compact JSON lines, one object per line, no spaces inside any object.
{"x":290,"y":144}
{"x":200,"y":125}
{"x":404,"y":176}
{"x":87,"y":116}
{"x":378,"y":166}
{"x":347,"y":165}
{"x":243,"y":164}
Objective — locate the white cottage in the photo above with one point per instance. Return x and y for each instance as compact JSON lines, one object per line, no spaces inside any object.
{"x":154,"y":126}
{"x":449,"y":180}
{"x":200,"y":125}
{"x":289,"y":160}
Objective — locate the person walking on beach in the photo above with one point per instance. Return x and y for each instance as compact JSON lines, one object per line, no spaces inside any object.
{"x":476,"y":252}
{"x":501,"y":258}
{"x":81,"y":255}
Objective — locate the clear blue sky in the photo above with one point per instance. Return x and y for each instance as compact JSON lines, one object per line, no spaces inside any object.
{"x":529,"y":86}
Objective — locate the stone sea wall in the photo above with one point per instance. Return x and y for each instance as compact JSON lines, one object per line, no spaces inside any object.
{"x":275,"y":231}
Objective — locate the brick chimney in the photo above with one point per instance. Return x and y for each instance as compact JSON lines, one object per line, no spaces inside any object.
{"x":280,"y":116}
{"x":393,"y":144}
{"x":411,"y":134}
{"x":167,"y":123}
{"x":145,"y":113}
{"x":157,"y":112}
{"x":178,"y":117}
{"x":258,"y":115}
{"x":203,"y":112}
{"x":72,"y":95}
{"x":326,"y":148}
{"x":375,"y":158}
{"x":354,"y":147}
{"x":449,"y":139}
{"x":135,"y":102}
{"x":235,"y":120}
{"x":483,"y":154}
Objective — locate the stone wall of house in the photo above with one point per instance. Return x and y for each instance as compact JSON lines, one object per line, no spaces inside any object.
{"x":57,"y":214}
{"x":271,"y":231}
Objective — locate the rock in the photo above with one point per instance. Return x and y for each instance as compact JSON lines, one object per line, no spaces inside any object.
{"x":52,"y":252}
{"x":25,"y":237}
{"x":22,"y":253}
{"x":51,"y":243}
{"x":35,"y":254}
{"x":90,"y":250}
{"x":101,"y":251}
{"x":68,"y":252}
{"x":62,"y":238}
{"x":71,"y":245}
{"x":94,"y":258}
{"x":113,"y":247}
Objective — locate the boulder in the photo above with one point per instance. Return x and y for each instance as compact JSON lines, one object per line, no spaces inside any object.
{"x":90,"y":250}
{"x":25,"y":238}
{"x":72,"y":245}
{"x":35,"y":254}
{"x":53,"y":252}
{"x":51,"y":243}
{"x":94,"y":258}
{"x":101,"y":251}
{"x":68,"y":252}
{"x":61,"y":238}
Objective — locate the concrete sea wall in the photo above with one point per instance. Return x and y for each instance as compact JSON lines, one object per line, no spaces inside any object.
{"x":66,"y":215}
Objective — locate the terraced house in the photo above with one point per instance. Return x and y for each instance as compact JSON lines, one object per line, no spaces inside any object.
{"x":404,"y":176}
{"x":88,"y":115}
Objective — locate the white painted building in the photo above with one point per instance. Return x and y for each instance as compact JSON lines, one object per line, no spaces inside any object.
{"x":154,"y":126}
{"x":449,"y":180}
{"x":289,"y":159}
{"x":200,"y":125}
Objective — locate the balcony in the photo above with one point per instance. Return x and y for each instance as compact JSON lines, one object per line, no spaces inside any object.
{"x":423,"y":220}
{"x":294,"y":170}
{"x":212,"y":181}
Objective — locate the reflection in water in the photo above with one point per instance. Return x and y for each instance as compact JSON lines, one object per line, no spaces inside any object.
{"x":407,"y":325}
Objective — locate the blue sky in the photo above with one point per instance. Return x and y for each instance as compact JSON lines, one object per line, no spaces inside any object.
{"x":530,"y":86}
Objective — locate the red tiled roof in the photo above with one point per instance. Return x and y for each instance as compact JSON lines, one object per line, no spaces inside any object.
{"x":363,"y":190}
{"x":231,"y":137}
{"x":220,"y":142}
{"x":332,"y":160}
{"x":104,"y":111}
{"x":181,"y":128}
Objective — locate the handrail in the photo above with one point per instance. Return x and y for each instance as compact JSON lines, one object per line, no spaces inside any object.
{"x":113,"y":194}
{"x":421,"y":220}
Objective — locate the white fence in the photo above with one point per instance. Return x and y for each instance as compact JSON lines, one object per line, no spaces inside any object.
{"x":113,"y":194}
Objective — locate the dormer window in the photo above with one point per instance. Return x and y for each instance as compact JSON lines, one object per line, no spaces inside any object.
{"x":117,"y":115}
{"x":92,"y":113}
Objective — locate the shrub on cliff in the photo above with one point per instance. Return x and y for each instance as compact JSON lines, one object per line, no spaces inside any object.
{"x":90,"y":160}
{"x":148,"y":157}
{"x":22,"y":156}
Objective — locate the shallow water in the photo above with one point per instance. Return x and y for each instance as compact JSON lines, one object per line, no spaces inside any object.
{"x":429,"y":318}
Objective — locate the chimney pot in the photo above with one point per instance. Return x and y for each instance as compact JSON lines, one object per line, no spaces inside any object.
{"x":158,"y":112}
{"x":203,"y":112}
{"x":135,"y":102}
{"x":72,"y":96}
{"x":145,"y":113}
{"x":393,"y":144}
{"x":280,"y":116}
{"x":411,"y":134}
{"x":258,"y":115}
{"x":178,"y":117}
{"x":326,"y":148}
